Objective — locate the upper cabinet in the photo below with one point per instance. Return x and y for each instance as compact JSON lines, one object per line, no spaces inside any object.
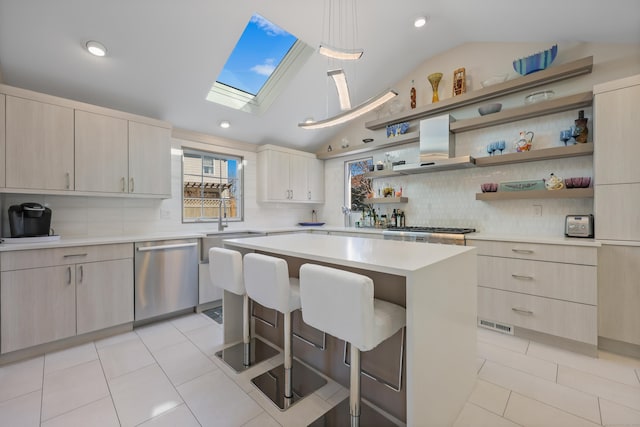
{"x":58,"y":146}
{"x":286,"y":175}
{"x":101,"y":153}
{"x":149,"y":159}
{"x":39,"y":145}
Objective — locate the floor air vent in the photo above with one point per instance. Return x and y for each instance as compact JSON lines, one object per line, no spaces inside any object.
{"x":505,"y":329}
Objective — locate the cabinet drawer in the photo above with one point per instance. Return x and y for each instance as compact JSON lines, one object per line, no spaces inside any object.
{"x":18,"y":260}
{"x":570,"y":282}
{"x":538,"y":251}
{"x":561,"y":318}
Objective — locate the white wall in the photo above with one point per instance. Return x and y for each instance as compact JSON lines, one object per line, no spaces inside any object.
{"x":448,"y":198}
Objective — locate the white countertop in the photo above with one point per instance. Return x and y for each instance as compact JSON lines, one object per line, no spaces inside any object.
{"x":550,"y":240}
{"x":387,"y":256}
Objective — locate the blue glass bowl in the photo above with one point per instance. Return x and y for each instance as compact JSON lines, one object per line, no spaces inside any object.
{"x":535,"y":62}
{"x":397,"y":129}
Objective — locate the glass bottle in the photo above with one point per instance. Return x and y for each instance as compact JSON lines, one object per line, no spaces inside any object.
{"x":413,"y":95}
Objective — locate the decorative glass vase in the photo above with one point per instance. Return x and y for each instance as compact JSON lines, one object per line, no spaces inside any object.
{"x":434,"y":79}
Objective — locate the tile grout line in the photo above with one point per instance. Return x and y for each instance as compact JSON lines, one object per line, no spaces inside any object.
{"x":600,"y":411}
{"x":44,"y":360}
{"x":504,"y":411}
{"x":108,"y":385}
{"x":559,"y":409}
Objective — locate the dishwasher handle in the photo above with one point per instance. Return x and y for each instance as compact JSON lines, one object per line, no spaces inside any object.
{"x":162,"y":247}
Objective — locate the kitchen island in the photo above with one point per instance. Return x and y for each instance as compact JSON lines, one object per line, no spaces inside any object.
{"x":436,"y":284}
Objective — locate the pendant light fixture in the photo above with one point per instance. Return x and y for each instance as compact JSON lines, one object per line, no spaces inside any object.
{"x":341,"y":22}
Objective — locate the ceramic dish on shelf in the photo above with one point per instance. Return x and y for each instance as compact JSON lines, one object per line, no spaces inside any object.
{"x":311,"y":224}
{"x":498,"y":78}
{"x":536,"y":62}
{"x":490,"y":108}
{"x":543,"y":95}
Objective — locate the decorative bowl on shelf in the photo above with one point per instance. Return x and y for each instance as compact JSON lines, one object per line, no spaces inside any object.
{"x":578,"y":182}
{"x":498,"y":78}
{"x":490,"y":108}
{"x":543,"y":95}
{"x":489,"y":187}
{"x":397,"y":129}
{"x":536,"y":62}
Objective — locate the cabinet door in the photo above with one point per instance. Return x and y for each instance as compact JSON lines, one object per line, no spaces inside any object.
{"x":619,"y":293}
{"x":315,"y":181}
{"x":39,"y":144}
{"x":2,"y":140}
{"x":277,"y":174}
{"x":299,"y":173}
{"x":149,"y":159}
{"x":616,"y":147}
{"x":616,"y":212}
{"x":37,"y":306}
{"x":104,"y":294}
{"x":101,"y":162}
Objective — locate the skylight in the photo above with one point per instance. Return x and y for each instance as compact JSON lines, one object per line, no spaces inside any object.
{"x":253,"y":74}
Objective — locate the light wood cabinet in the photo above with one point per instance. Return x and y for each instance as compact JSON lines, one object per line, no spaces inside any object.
{"x":104,"y":293}
{"x":36,"y":306}
{"x":2,"y":140}
{"x":541,"y":287}
{"x":616,"y":207}
{"x":616,"y":111}
{"x":101,"y":148}
{"x":619,"y":293}
{"x":39,"y":145}
{"x":149,"y":159}
{"x":51,"y":294}
{"x":289,"y":176}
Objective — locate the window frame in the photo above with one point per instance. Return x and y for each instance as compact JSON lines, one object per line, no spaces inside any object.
{"x":240,"y":161}
{"x":347,"y":181}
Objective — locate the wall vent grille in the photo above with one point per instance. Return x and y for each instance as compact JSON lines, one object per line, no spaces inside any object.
{"x":505,"y":329}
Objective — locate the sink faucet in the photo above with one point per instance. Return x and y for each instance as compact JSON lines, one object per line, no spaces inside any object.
{"x":223,"y":211}
{"x":347,"y":216}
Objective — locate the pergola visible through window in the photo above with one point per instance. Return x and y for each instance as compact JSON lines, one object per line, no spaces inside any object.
{"x":212,"y":186}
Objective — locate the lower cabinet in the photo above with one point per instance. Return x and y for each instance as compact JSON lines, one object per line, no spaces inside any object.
{"x":619,"y":293}
{"x":51,"y":294}
{"x":551,"y":289}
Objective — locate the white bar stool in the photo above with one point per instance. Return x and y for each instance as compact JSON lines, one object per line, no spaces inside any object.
{"x":341,"y":304}
{"x":225,"y":270}
{"x":268,"y":283}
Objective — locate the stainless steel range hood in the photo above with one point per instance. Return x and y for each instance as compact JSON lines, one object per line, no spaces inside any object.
{"x":437,"y":148}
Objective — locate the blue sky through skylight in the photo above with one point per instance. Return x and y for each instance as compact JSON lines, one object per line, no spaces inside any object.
{"x":260,"y":49}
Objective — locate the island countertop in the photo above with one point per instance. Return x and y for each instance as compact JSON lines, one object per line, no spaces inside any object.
{"x":385,"y":256}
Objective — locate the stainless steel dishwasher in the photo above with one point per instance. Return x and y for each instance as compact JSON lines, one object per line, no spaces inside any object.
{"x":166,"y":277}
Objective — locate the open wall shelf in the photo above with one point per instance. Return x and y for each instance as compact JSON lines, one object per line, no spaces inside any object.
{"x":567,"y":193}
{"x":535,"y":155}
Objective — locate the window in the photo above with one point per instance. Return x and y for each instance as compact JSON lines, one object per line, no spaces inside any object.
{"x":264,"y":59}
{"x":358,"y":187}
{"x":211,"y":185}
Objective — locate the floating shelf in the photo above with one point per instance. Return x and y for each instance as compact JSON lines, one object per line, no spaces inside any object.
{"x":537,"y":109}
{"x":382,"y":174}
{"x":407,"y":138}
{"x":535,"y":155}
{"x":570,"y":193}
{"x":376,"y":200}
{"x":553,"y":74}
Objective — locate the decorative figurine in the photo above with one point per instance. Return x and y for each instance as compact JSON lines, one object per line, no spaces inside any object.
{"x":581,"y":131}
{"x":413,"y":95}
{"x":459,"y":81}
{"x":434,"y":79}
{"x":523,"y":143}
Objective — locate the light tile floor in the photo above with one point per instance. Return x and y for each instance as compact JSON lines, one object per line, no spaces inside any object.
{"x":166,"y":374}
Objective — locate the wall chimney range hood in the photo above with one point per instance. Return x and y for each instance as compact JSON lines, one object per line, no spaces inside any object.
{"x":437,"y":148}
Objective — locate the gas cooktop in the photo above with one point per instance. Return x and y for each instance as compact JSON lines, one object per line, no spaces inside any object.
{"x":445,"y":230}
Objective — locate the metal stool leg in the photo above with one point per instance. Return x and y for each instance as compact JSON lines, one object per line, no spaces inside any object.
{"x":288,"y":358}
{"x":246,"y":334}
{"x":354,"y":387}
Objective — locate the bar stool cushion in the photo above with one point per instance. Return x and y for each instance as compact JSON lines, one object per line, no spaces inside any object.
{"x":268,"y":283}
{"x":225,"y":270}
{"x":341,"y":304}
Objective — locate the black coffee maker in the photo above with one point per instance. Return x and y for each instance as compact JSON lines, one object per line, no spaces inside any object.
{"x":29,"y":220}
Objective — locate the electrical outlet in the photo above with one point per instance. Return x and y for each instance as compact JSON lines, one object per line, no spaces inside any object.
{"x":537,"y":210}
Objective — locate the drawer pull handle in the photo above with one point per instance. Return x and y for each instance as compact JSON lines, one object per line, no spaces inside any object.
{"x":522,"y":311}
{"x":522,"y":251}
{"x":68,"y":275}
{"x":81,"y":274}
{"x":122,"y":184}
{"x":521,"y":277}
{"x":72,"y":255}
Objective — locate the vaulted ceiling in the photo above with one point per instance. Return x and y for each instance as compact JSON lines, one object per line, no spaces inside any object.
{"x":164,"y":55}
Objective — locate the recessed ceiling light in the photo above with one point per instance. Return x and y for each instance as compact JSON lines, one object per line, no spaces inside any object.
{"x":96,"y":48}
{"x":420,"y":21}
{"x":225,"y":124}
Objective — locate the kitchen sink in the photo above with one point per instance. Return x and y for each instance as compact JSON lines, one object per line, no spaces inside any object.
{"x":214,"y":240}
